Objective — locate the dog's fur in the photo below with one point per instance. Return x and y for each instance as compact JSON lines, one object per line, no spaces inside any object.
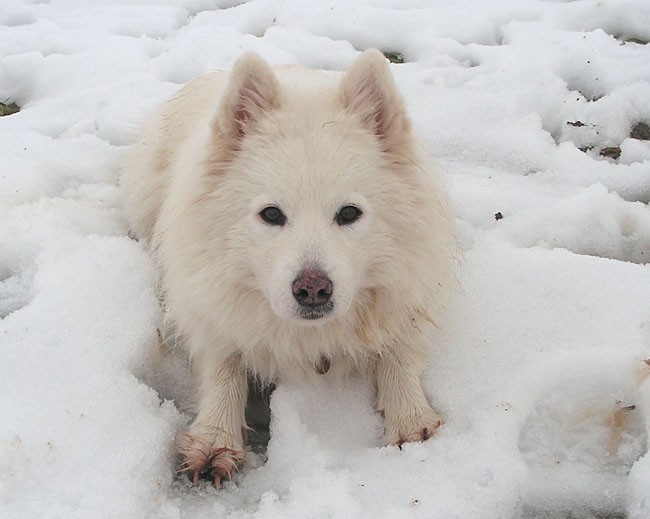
{"x":229,"y":145}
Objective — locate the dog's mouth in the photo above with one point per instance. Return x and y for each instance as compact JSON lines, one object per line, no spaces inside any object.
{"x":316,"y":312}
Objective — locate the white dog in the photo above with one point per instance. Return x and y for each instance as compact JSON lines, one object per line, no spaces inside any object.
{"x":296,"y":226}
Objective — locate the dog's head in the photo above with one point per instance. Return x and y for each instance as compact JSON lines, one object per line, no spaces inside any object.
{"x":314,"y":164}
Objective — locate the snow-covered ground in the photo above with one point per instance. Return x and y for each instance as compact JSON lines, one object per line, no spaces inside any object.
{"x":540,"y":371}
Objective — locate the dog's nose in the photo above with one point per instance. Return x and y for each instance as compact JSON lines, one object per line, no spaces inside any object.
{"x":312,"y":288}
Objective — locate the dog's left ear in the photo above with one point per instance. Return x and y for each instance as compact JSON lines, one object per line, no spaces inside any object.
{"x":368,"y":91}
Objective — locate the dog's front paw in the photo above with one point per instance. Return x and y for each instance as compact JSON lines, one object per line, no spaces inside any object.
{"x":412,"y":427}
{"x":202,"y":456}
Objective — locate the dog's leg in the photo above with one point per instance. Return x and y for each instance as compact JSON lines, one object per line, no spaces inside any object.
{"x":214,"y":444}
{"x":400,"y":398}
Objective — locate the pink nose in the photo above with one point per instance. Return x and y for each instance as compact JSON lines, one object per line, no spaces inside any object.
{"x":312,"y":288}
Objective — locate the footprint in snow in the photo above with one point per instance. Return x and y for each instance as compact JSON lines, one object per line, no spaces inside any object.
{"x":584,"y":428}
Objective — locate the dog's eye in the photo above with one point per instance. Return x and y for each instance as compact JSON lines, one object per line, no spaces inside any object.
{"x":348,"y":214}
{"x":273,"y":215}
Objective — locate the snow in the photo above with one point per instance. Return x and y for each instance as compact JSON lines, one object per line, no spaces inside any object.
{"x":540,"y":371}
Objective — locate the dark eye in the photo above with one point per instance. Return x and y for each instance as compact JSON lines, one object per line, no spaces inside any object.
{"x":273,"y":215}
{"x":348,"y":214}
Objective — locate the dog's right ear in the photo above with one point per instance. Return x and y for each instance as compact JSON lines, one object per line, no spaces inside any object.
{"x":252,"y":90}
